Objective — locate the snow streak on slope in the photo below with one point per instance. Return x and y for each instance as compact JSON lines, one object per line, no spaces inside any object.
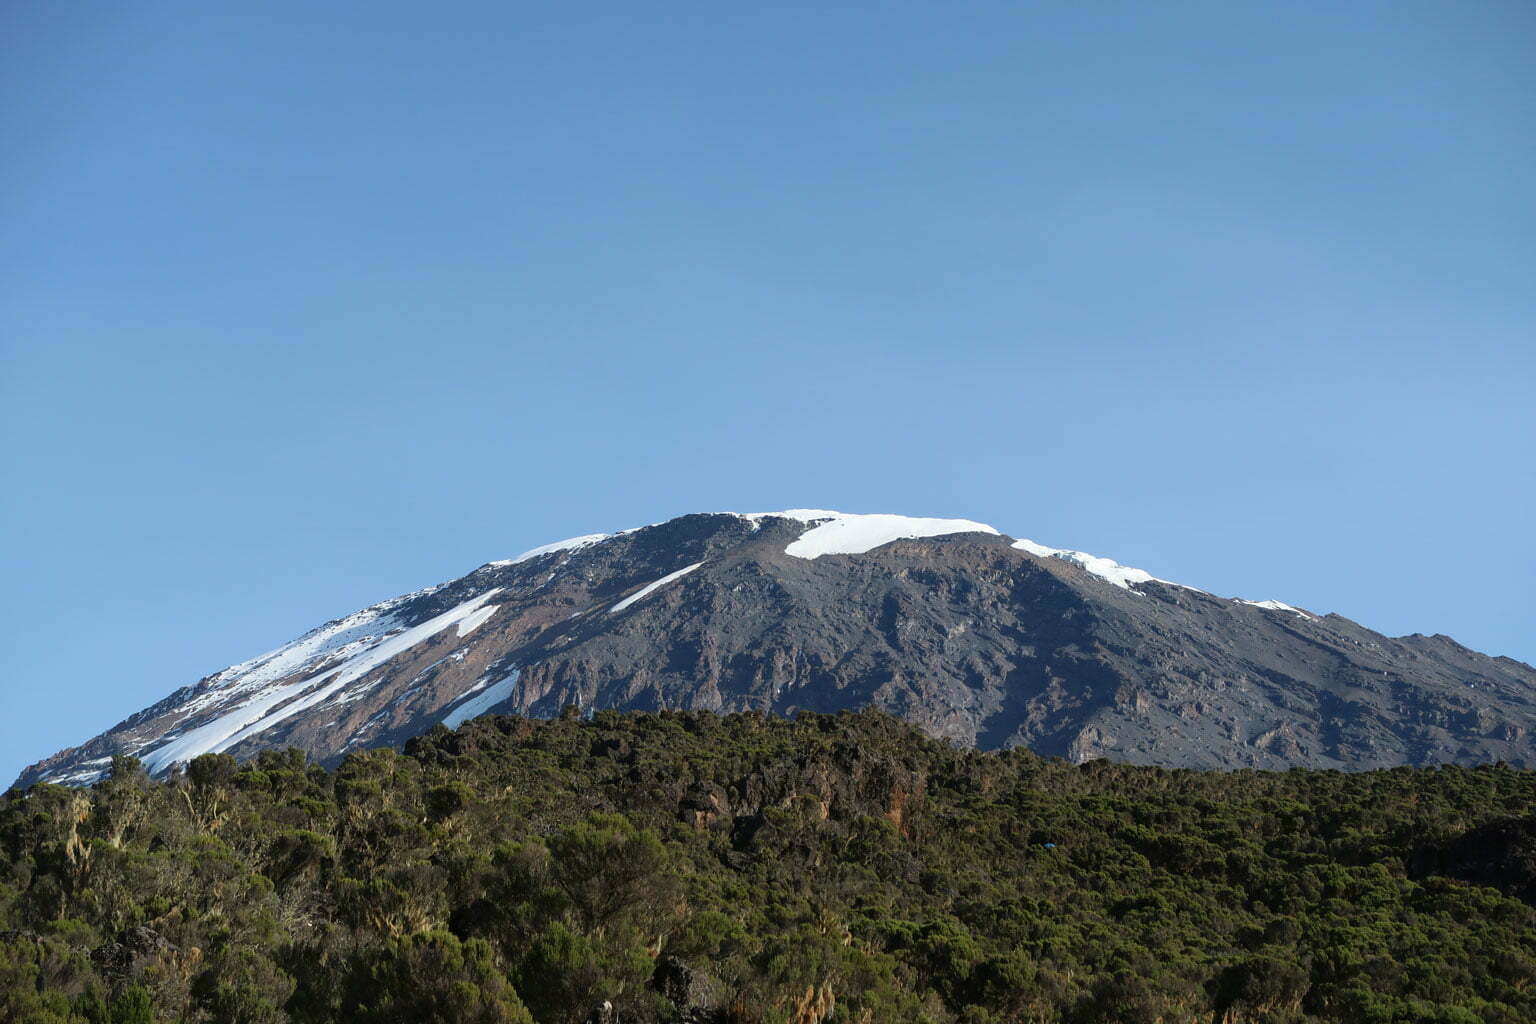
{"x":1105,"y":568}
{"x":334,"y":639}
{"x":267,"y":708}
{"x":856,"y":534}
{"x":84,"y":774}
{"x":1125,"y":576}
{"x":1277,"y":606}
{"x":572,"y":544}
{"x":476,"y":619}
{"x":483,"y":700}
{"x":649,"y":588}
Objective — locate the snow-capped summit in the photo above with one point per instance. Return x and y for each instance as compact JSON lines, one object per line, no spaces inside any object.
{"x":977,"y":636}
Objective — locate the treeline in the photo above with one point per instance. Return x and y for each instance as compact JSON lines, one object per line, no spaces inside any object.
{"x":752,"y":870}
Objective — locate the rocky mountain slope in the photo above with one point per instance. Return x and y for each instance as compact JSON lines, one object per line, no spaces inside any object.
{"x":973,"y":635}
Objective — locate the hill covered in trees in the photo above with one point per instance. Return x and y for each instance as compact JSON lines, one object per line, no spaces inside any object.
{"x":753,"y":870}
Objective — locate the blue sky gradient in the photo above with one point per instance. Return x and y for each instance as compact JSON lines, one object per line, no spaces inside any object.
{"x":304,"y":308}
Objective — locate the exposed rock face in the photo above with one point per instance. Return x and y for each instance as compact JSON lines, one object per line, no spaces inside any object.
{"x":125,"y":959}
{"x":973,"y":636}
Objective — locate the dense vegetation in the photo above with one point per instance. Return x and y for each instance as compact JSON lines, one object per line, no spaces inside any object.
{"x":687,"y":867}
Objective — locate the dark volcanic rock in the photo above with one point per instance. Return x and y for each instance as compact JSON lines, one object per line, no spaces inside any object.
{"x":138,"y":945}
{"x":974,"y":638}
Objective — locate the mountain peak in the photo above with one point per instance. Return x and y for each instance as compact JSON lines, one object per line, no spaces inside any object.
{"x":832,"y":532}
{"x":978,"y":637}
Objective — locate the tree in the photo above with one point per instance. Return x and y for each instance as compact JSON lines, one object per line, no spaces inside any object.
{"x":434,"y":978}
{"x":133,"y":1006}
{"x":612,"y":873}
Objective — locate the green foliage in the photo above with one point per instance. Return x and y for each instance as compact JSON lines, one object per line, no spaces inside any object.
{"x":244,"y":986}
{"x":433,"y":978}
{"x":132,"y":1007}
{"x":610,"y":872}
{"x":842,"y":869}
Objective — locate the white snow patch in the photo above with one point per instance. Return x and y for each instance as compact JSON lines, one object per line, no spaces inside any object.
{"x":82,"y":773}
{"x":262,"y":711}
{"x":1122,"y":576}
{"x":632,"y":598}
{"x":476,"y":619}
{"x":344,"y":698}
{"x":571,"y":544}
{"x":483,"y":701}
{"x":841,"y":533}
{"x":365,"y":627}
{"x":79,"y":778}
{"x":846,"y":534}
{"x":331,"y":643}
{"x":804,"y":515}
{"x":1277,"y":606}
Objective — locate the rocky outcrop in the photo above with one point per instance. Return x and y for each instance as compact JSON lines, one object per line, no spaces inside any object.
{"x":126,"y":958}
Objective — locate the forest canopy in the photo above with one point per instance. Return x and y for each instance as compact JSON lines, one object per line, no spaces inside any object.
{"x":747,"y":869}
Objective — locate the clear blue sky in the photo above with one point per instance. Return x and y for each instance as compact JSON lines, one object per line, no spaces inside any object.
{"x":308,"y":305}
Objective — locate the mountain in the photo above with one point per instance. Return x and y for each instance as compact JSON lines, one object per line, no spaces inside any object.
{"x":975,"y":636}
